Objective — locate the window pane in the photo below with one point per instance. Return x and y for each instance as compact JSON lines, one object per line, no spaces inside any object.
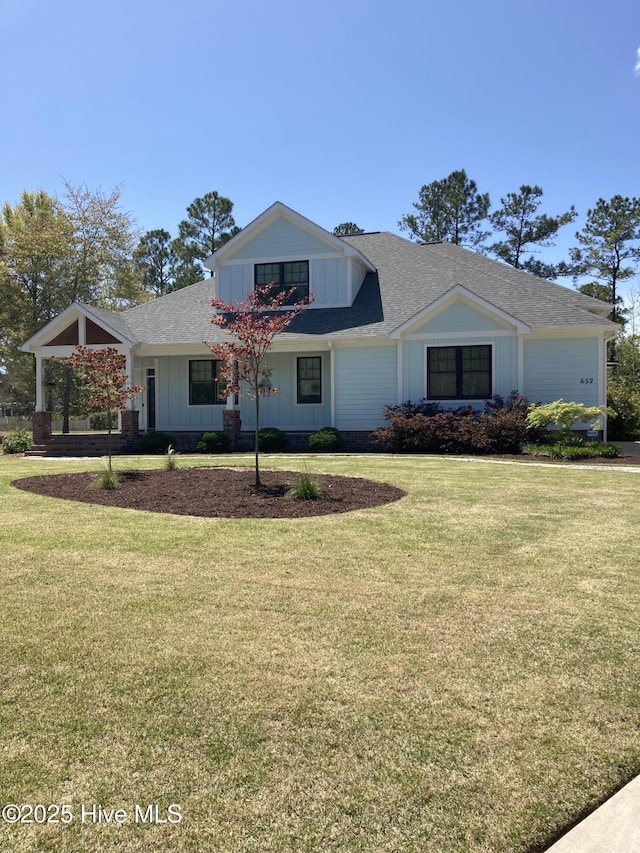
{"x":442,"y":372}
{"x":476,"y":371}
{"x":203,"y":391}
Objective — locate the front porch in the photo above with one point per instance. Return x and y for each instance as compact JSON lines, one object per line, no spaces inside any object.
{"x":48,"y":443}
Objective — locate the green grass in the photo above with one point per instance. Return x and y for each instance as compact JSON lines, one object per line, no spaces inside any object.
{"x":457,"y":671}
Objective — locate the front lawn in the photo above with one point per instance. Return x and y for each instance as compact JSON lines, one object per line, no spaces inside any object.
{"x":456,"y":671}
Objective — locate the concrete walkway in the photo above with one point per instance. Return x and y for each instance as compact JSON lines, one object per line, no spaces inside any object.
{"x":613,"y":828}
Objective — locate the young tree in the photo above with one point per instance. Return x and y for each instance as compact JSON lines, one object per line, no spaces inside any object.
{"x":209,"y":225}
{"x":345,"y":229}
{"x":254,"y":323}
{"x":609,"y":250}
{"x":451,"y":209}
{"x":525,"y":228}
{"x":103,"y":371}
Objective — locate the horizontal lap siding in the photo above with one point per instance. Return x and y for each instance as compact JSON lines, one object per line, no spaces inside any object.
{"x":566,"y":369}
{"x":366,"y":380}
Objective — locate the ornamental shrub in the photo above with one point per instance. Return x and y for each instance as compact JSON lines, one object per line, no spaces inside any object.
{"x":325,"y":440}
{"x":155,"y":442}
{"x":213,"y":442}
{"x":564,"y":415}
{"x":425,"y":427}
{"x":272,"y":440}
{"x":18,"y":441}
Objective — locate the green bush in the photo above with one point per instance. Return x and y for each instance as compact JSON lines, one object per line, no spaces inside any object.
{"x":325,"y":440}
{"x":624,"y":413}
{"x":272,"y":440}
{"x":155,"y":442}
{"x":18,"y":441}
{"x":574,"y":448}
{"x":213,"y":442}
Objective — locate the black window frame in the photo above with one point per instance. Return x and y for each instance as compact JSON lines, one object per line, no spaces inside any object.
{"x":278,"y":282}
{"x":460,"y":372}
{"x":217,"y":387}
{"x":300,"y":401}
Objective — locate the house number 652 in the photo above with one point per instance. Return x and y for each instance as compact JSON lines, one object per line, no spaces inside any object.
{"x":587,"y":381}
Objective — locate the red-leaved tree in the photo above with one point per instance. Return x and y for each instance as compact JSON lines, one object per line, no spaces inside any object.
{"x":253,"y":322}
{"x":103,"y":371}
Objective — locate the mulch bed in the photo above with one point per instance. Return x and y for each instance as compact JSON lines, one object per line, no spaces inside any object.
{"x":215,"y":492}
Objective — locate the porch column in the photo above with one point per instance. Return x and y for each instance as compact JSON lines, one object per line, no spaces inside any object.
{"x":40,"y":399}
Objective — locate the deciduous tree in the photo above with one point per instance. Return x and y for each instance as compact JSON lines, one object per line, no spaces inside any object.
{"x":103,"y":371}
{"x":253,"y":323}
{"x":451,"y":209}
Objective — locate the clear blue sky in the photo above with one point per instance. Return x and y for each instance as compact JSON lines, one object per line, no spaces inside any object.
{"x":341,"y":109}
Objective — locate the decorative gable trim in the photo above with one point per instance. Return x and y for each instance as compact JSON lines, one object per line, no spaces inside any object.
{"x":458,"y":292}
{"x":277,"y":210}
{"x":77,"y":324}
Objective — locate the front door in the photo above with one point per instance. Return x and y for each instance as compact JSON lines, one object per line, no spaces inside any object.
{"x":151,"y":398}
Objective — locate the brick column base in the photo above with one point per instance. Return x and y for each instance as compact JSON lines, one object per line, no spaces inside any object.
{"x":129,"y":429}
{"x":41,"y":425}
{"x":231,"y":425}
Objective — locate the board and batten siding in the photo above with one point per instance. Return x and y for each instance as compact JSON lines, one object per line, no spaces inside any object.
{"x":282,"y":410}
{"x":567,"y":369}
{"x":366,"y":381}
{"x":281,"y":240}
{"x":279,"y":410}
{"x":505,"y":365}
{"x":173,"y":409}
{"x":284,"y":241}
{"x":461,"y":316}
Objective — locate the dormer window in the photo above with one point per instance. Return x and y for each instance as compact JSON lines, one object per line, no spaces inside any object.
{"x":284,"y":276}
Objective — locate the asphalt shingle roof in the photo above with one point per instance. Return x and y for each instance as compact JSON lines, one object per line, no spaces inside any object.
{"x":409,"y":277}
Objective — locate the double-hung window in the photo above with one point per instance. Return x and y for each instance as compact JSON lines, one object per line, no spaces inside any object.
{"x":309,"y":379}
{"x":284,"y":276}
{"x":459,"y":373}
{"x":205,"y":386}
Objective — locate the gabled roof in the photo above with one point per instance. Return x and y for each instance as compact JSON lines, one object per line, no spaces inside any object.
{"x":407,"y":281}
{"x":275,"y":211}
{"x":112,"y":322}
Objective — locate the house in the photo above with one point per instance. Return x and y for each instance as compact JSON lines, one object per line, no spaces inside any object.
{"x":391,"y":320}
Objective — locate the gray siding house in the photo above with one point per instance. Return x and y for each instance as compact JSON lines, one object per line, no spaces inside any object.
{"x":391,"y":320}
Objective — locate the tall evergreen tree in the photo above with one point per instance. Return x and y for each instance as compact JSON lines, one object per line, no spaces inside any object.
{"x":525,"y":230}
{"x":345,"y":229}
{"x":156,"y":261}
{"x":609,"y":250}
{"x":451,"y":209}
{"x":208,"y":226}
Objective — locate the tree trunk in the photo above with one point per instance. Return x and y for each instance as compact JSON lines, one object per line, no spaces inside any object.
{"x":258,"y":483}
